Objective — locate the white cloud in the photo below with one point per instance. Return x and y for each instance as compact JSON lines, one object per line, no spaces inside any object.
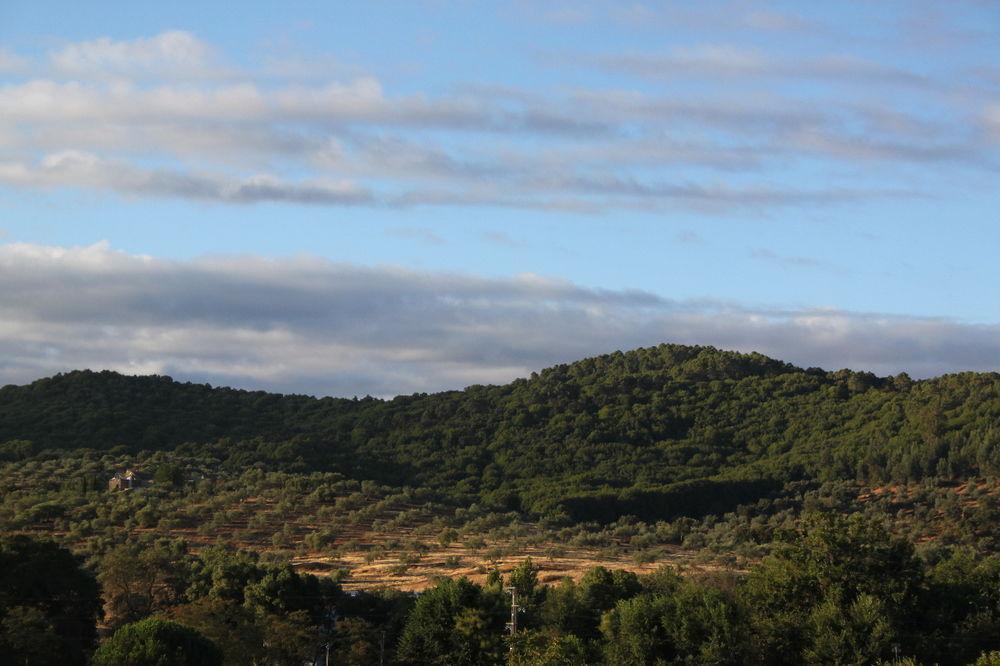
{"x":174,"y":53}
{"x":80,"y":169}
{"x":160,"y":116}
{"x":549,"y":190}
{"x":305,"y":324}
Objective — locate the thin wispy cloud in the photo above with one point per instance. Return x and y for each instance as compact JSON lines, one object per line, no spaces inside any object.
{"x":725,"y":61}
{"x":11,"y":62}
{"x":502,"y":239}
{"x":711,"y":15}
{"x":792,"y":261}
{"x":79,"y":169}
{"x":991,"y":122}
{"x":688,"y":237}
{"x":420,"y":234}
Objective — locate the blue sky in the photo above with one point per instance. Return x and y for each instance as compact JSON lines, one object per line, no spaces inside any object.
{"x":828,"y":169}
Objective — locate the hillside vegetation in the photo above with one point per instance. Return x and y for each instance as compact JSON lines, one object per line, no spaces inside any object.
{"x":667,"y":505}
{"x":654,"y":433}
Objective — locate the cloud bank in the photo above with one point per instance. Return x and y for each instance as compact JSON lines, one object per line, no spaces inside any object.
{"x":304,"y":324}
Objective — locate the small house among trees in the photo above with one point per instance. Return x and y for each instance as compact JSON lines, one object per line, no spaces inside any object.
{"x":126,"y":480}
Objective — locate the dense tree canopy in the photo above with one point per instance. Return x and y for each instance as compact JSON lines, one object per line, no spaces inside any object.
{"x":836,"y":591}
{"x":49,"y":604}
{"x":747,"y":459}
{"x":153,"y":642}
{"x":655,"y":433}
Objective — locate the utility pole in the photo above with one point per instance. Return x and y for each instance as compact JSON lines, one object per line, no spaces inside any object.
{"x":512,"y":625}
{"x":329,"y":625}
{"x":381,"y":648}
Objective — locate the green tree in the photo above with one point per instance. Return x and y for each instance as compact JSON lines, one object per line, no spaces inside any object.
{"x":852,"y":636}
{"x":26,"y":636}
{"x":475,"y":638}
{"x":223,"y":573}
{"x":548,"y":648}
{"x":829,"y":565}
{"x":17,"y":449}
{"x":169,"y":474}
{"x":634,"y":632}
{"x":454,"y":622}
{"x":355,"y":643}
{"x":289,"y":639}
{"x":707,"y":626}
{"x":600,"y":589}
{"x":140,"y":579}
{"x":280,"y":590}
{"x":562,"y":610}
{"x":232,"y":627}
{"x":524,"y":579}
{"x":48,"y":602}
{"x":687,"y":623}
{"x":961,"y":608}
{"x":155,"y":642}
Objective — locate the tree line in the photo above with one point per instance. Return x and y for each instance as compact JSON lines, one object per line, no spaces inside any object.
{"x":837,"y":591}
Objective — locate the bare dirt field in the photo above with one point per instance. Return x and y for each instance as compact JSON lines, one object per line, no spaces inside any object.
{"x":455,"y":561}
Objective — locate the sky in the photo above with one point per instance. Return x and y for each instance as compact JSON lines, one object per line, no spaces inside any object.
{"x":390,"y":197}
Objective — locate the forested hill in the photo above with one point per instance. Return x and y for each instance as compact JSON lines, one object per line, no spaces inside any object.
{"x":104,"y":409}
{"x":85,"y":409}
{"x":620,"y":433}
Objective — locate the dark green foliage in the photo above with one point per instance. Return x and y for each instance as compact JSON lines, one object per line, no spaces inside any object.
{"x":695,"y":498}
{"x":576,"y":608}
{"x":155,"y":642}
{"x":87,"y":409}
{"x":635,"y":454}
{"x":384,"y":613}
{"x":224,"y":573}
{"x":454,"y":622}
{"x":852,"y":633}
{"x":962,"y":615}
{"x":49,"y":604}
{"x":549,"y":648}
{"x":275,"y":589}
{"x":841,"y":591}
{"x":655,"y":433}
{"x":142,"y":579}
{"x":169,"y":474}
{"x":246,"y":636}
{"x":235,"y":630}
{"x":838,"y":590}
{"x":17,"y":449}
{"x":524,"y":580}
{"x":281,"y":590}
{"x":676,"y":621}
